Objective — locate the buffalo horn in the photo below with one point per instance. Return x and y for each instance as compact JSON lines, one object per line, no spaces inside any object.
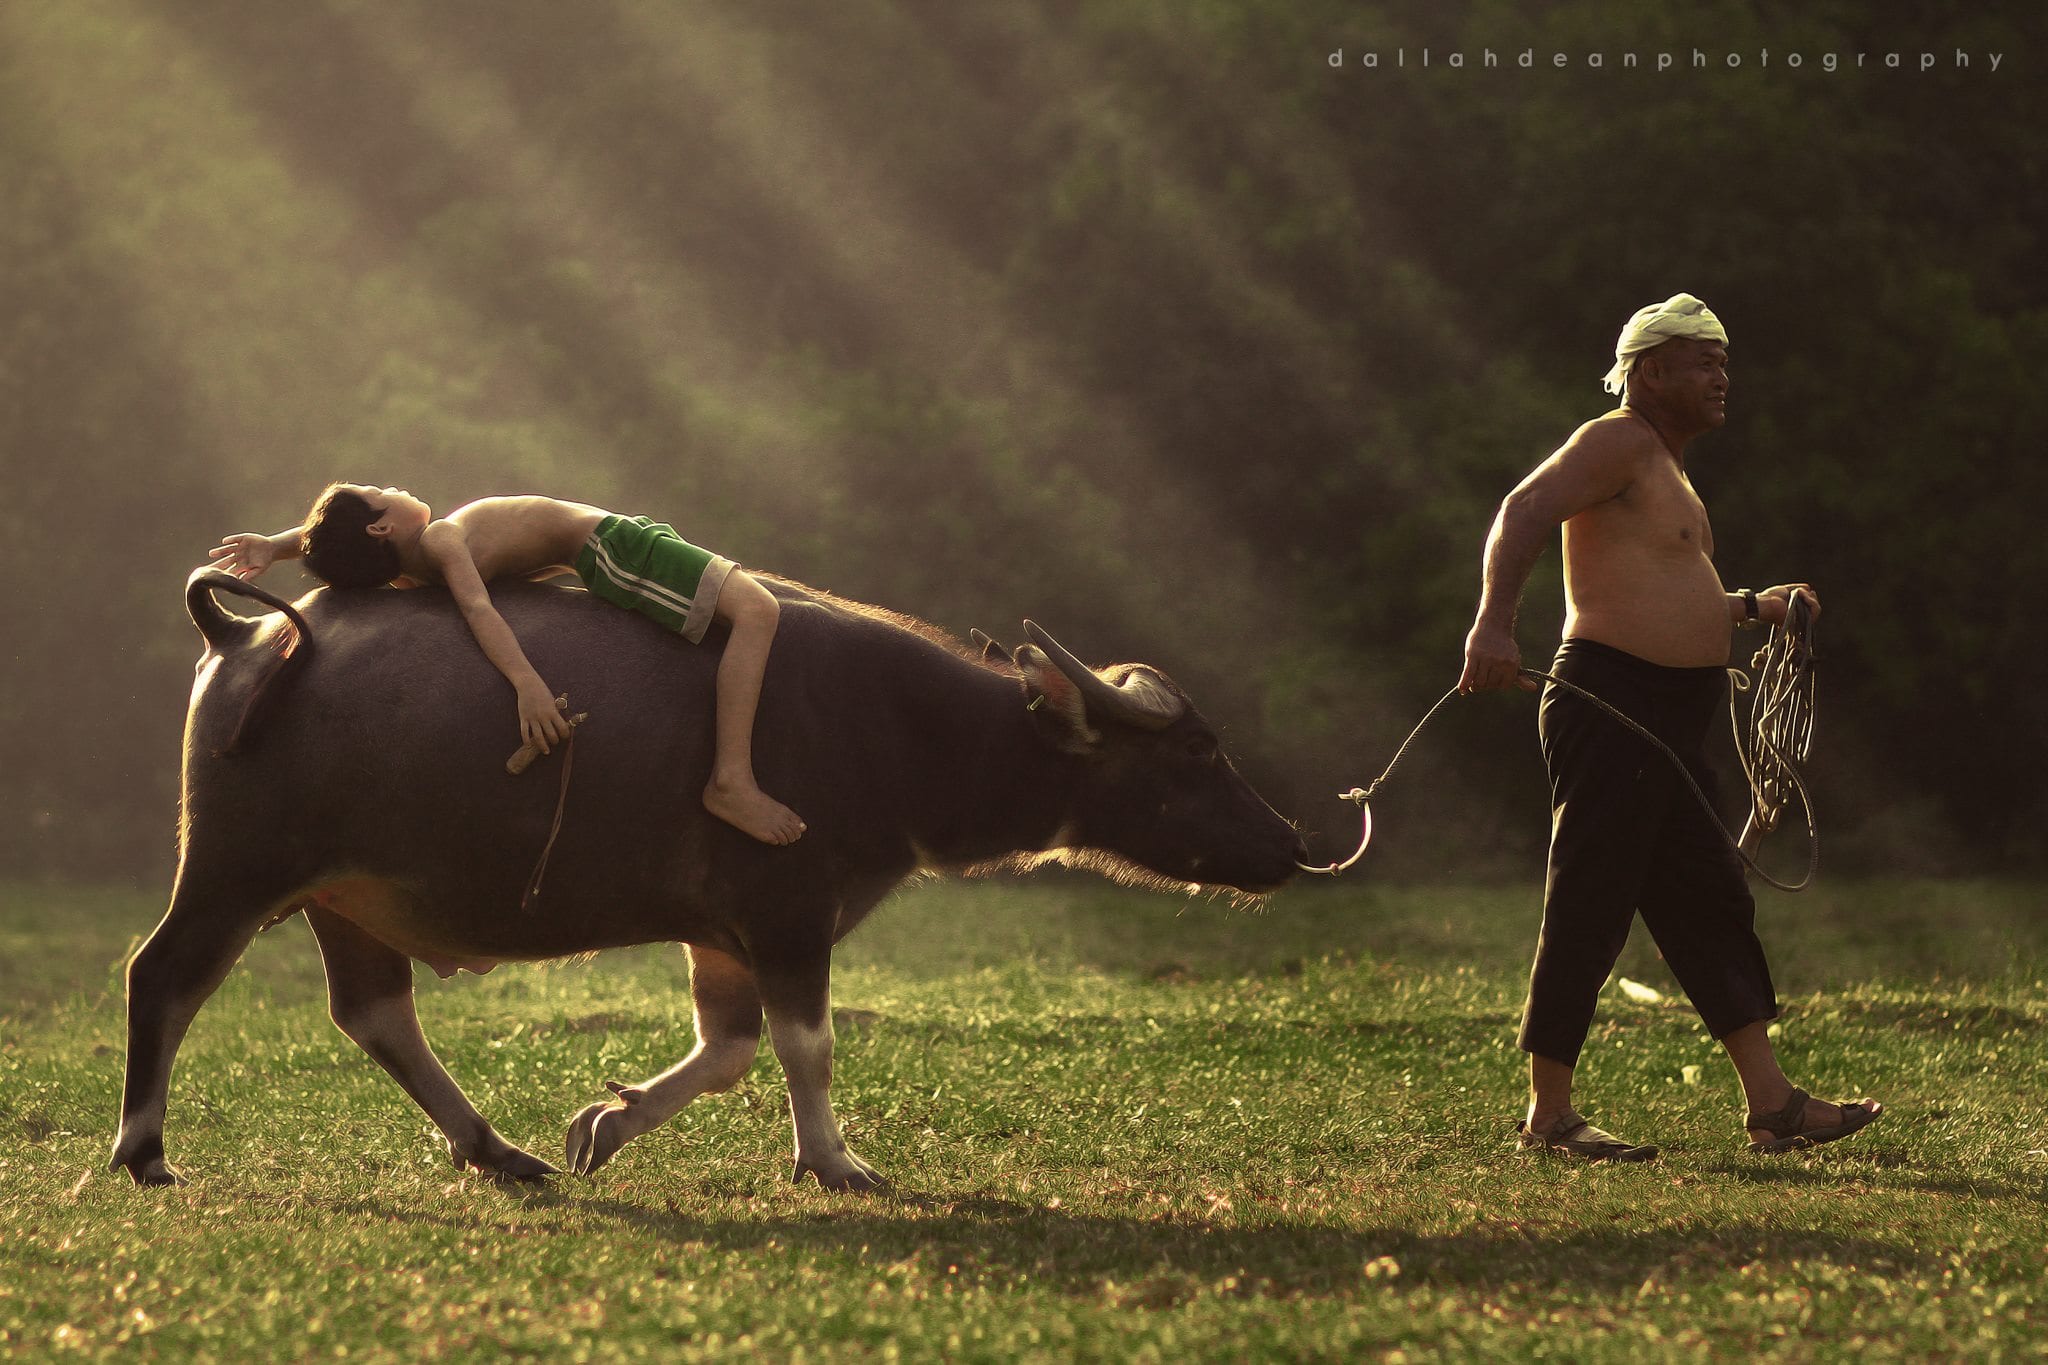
{"x":1141,"y":699}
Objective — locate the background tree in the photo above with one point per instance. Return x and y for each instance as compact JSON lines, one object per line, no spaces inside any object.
{"x":1138,"y":318}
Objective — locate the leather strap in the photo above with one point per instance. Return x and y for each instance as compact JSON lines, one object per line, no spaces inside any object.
{"x":561,"y":805}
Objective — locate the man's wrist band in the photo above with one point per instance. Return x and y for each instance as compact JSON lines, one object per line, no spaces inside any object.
{"x":1748,"y":607}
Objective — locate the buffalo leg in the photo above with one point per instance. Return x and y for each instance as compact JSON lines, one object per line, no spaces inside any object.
{"x":369,"y":997}
{"x":728,"y":1018}
{"x":186,"y":958}
{"x":797,"y":998}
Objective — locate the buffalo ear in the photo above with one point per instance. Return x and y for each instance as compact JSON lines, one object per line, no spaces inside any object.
{"x":1051,"y":690}
{"x":990,"y":650}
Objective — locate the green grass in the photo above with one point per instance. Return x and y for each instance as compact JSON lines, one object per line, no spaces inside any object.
{"x":1120,"y":1126}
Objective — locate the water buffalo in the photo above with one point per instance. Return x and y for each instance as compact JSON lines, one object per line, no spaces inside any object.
{"x":346,"y":758}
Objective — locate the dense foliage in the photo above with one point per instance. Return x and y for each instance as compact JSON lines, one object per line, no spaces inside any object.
{"x":1140,"y":318}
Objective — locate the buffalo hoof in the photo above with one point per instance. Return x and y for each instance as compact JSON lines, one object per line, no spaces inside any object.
{"x":520,"y":1166}
{"x":149,"y":1173}
{"x":143,"y":1159}
{"x":854,"y":1176}
{"x":504,"y":1162}
{"x":595,"y":1136}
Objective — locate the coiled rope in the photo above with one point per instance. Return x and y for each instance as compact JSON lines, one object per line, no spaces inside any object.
{"x":1779,"y":738}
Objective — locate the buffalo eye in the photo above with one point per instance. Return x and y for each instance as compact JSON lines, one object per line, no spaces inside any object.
{"x":1201,"y":746}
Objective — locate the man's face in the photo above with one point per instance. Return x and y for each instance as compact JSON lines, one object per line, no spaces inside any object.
{"x":1690,"y":379}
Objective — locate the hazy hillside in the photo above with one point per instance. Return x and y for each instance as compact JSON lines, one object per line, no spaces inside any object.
{"x":1139,"y":318}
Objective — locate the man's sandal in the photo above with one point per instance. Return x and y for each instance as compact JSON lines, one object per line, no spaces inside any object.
{"x":1788,"y":1130}
{"x":1573,"y":1136}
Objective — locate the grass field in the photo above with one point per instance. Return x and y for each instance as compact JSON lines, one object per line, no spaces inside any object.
{"x":1121,"y":1127}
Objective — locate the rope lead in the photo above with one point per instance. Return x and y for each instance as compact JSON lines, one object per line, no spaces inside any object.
{"x":1780,"y":738}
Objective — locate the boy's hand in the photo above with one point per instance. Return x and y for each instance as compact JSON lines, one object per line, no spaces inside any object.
{"x":541,"y":722}
{"x":244,"y":554}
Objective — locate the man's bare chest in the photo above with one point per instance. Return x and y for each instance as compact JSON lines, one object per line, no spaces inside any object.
{"x":1658,"y":514}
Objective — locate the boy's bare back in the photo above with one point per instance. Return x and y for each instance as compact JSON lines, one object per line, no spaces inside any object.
{"x":514,"y":537}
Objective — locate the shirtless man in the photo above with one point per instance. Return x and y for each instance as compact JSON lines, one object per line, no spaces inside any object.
{"x":1646,"y":628}
{"x":359,"y":536}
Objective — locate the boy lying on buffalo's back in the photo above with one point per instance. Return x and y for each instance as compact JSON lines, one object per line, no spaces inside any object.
{"x":358,"y":536}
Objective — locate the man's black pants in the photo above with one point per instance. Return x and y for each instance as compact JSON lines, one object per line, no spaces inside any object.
{"x":1628,"y":835}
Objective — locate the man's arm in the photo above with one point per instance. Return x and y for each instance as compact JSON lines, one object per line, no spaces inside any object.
{"x":1598,"y":463}
{"x":246,"y":554}
{"x":540,"y":723}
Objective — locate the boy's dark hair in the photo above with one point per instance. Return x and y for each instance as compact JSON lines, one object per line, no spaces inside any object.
{"x":337,"y":545}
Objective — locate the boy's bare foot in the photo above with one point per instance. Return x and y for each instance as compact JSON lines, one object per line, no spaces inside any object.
{"x":749,"y":808}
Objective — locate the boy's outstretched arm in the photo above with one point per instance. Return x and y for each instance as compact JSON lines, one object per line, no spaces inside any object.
{"x":246,"y":553}
{"x":540,"y":723}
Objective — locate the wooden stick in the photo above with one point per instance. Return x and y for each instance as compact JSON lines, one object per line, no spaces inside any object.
{"x":523,"y":760}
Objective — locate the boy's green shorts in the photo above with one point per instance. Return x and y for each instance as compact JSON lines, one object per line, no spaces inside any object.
{"x":646,"y":567}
